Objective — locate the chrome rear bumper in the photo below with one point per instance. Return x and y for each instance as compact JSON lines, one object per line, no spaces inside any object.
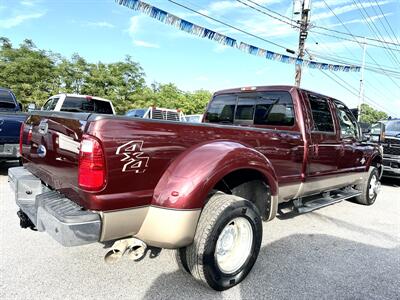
{"x":9,"y":151}
{"x":50,"y":211}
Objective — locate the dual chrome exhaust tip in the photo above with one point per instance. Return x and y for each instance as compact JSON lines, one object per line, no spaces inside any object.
{"x":132,"y":248}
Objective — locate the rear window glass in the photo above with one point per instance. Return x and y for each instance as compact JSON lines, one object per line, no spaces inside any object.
{"x":221,"y":109}
{"x":268,"y":108}
{"x":80,"y":104}
{"x":275,"y":109}
{"x":6,"y":99}
{"x":321,"y":114}
{"x":245,"y":110}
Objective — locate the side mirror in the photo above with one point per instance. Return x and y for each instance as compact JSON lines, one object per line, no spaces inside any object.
{"x":377,"y":133}
{"x":20,"y":106}
{"x":365,"y":137}
{"x":31,"y":106}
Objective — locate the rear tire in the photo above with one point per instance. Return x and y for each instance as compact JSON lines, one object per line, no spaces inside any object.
{"x":226,"y":243}
{"x":369,"y":188}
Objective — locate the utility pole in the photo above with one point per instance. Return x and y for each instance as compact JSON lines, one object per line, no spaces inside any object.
{"x":304,"y":23}
{"x":361,"y":94}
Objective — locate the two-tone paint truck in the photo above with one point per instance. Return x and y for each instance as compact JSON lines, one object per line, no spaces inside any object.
{"x":202,"y":189}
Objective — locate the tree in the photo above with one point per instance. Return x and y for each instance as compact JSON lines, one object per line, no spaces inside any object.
{"x":370,"y":115}
{"x":28,"y":71}
{"x":34,"y":75}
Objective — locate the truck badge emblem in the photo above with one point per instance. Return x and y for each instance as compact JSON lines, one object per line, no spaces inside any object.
{"x":133,"y":157}
{"x":41,"y":151}
{"x":362,"y":161}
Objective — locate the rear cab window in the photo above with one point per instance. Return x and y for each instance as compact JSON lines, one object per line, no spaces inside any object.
{"x":262,"y":108}
{"x":83,"y":104}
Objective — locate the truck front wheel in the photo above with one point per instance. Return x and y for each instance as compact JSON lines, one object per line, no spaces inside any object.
{"x":226,"y":243}
{"x":369,"y":188}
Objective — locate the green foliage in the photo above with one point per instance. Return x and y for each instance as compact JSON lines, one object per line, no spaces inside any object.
{"x":370,"y":115}
{"x":29,"y":72}
{"x":34,"y":75}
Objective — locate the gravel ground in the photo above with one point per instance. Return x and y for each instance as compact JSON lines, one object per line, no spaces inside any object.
{"x":344,"y":251}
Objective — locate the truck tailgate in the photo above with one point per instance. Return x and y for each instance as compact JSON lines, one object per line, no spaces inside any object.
{"x":50,"y":148}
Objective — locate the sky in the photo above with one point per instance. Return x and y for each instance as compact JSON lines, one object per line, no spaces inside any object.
{"x":102,"y":30}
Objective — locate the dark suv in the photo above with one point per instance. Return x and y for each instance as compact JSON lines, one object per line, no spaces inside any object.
{"x":390,"y":140}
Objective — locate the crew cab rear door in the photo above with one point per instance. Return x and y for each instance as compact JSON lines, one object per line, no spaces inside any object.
{"x":325,"y":145}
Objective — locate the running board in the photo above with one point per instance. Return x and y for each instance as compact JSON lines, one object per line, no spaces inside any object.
{"x":305,"y":205}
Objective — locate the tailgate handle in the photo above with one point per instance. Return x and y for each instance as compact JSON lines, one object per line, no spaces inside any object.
{"x":43,"y":127}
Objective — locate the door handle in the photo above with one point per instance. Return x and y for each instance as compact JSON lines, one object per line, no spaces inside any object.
{"x":314,"y":150}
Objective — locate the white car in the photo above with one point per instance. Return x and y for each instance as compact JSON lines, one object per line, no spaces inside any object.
{"x":79,"y":103}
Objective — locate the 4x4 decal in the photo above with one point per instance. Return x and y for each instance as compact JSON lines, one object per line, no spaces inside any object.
{"x":133,"y":157}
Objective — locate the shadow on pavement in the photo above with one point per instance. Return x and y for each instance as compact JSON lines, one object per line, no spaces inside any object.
{"x":395,"y":182}
{"x":303,"y":266}
{"x":4,"y":165}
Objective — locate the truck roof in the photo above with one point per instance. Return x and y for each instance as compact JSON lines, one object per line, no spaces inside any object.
{"x":79,"y":95}
{"x":265,"y":88}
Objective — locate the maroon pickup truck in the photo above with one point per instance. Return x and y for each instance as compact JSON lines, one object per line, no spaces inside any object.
{"x":202,"y":189}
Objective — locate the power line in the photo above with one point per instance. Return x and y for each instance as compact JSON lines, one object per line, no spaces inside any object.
{"x":281,"y":41}
{"x":346,"y":83}
{"x":390,"y":27}
{"x":326,"y":4}
{"x":290,"y":22}
{"x":377,"y":91}
{"x":230,"y":26}
{"x":352,"y":92}
{"x":381,"y":16}
{"x":369,"y":68}
{"x":351,"y":40}
{"x":374,"y":29}
{"x":252,"y":7}
{"x":321,"y":27}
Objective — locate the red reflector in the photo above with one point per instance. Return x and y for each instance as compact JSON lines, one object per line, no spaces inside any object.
{"x":92,"y":169}
{"x":21,"y":138}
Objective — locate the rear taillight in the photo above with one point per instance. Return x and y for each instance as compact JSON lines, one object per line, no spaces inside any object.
{"x":21,"y":138}
{"x":92,"y":168}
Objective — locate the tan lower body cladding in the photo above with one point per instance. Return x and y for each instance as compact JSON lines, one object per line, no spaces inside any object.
{"x":156,"y":226}
{"x":319,"y":185}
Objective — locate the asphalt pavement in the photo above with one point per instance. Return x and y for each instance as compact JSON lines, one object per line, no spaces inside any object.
{"x":344,"y":251}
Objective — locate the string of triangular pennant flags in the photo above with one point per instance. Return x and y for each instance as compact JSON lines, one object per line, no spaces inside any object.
{"x":200,"y":31}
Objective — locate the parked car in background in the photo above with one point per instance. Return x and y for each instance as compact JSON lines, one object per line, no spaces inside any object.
{"x":387,"y":133}
{"x":194,"y":118}
{"x":201,"y":189}
{"x":157,"y":113}
{"x":79,"y":103}
{"x":11,"y":119}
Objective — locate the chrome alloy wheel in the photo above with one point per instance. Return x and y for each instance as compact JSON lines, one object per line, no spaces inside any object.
{"x":234,"y":245}
{"x":374,"y":187}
